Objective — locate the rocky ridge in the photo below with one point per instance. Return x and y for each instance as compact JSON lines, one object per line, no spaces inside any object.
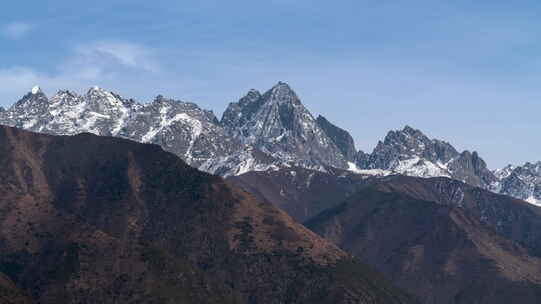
{"x":261,"y":132}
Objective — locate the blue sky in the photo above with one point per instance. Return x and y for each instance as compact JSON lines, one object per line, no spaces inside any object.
{"x":468,"y":72}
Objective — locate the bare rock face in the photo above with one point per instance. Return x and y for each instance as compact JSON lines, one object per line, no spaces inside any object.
{"x":88,"y":219}
{"x":341,"y":138}
{"x":278,"y":124}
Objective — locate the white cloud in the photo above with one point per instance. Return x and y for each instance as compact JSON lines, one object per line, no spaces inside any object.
{"x":97,"y":63}
{"x":124,"y":53}
{"x":16,"y":30}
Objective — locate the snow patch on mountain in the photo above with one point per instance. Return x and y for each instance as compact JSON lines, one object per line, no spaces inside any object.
{"x":417,"y":166}
{"x":352,"y":167}
{"x":534,"y":201}
{"x":241,"y":162}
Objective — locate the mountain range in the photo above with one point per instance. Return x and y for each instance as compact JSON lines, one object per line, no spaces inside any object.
{"x":89,"y":219}
{"x":261,"y":132}
{"x":293,"y":217}
{"x":441,"y":239}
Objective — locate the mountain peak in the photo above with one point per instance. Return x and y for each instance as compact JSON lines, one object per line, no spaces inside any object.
{"x":408,"y":136}
{"x":410,"y":152}
{"x":279,"y":125}
{"x":66,"y":92}
{"x":96,"y":91}
{"x":35,"y":90}
{"x":281,"y":84}
{"x":35,"y":95}
{"x":409,"y":129}
{"x":253,"y":92}
{"x":282,"y":93}
{"x":101,"y":92}
{"x":252,"y":96}
{"x":281,"y":87}
{"x":412,"y":131}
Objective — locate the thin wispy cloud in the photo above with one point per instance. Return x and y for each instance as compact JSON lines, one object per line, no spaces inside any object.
{"x":17,"y":30}
{"x":124,"y":53}
{"x":93,"y":63}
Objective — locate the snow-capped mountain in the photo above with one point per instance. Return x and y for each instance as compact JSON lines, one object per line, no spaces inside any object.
{"x":410,"y":152}
{"x":278,"y":124}
{"x":98,"y":111}
{"x":261,"y":132}
{"x":179,"y":127}
{"x":31,"y":112}
{"x":258,"y":133}
{"x":522,"y":182}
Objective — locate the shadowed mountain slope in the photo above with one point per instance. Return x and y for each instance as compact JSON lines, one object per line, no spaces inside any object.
{"x":88,"y":219}
{"x":441,"y":239}
{"x":302,"y":193}
{"x":443,"y":253}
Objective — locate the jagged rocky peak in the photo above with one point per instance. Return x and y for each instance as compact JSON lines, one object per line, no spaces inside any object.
{"x":180,"y":127}
{"x":238,"y":113}
{"x":96,"y":92}
{"x":341,"y":138}
{"x":523,"y":182}
{"x":99,"y":96}
{"x":65,"y":98}
{"x":282,"y":93}
{"x":278,"y":124}
{"x":28,"y":112}
{"x":165,"y":104}
{"x":33,"y":97}
{"x":67,"y":93}
{"x":472,"y":169}
{"x":410,"y":152}
{"x":402,"y":149}
{"x":279,"y":101}
{"x":410,"y":141}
